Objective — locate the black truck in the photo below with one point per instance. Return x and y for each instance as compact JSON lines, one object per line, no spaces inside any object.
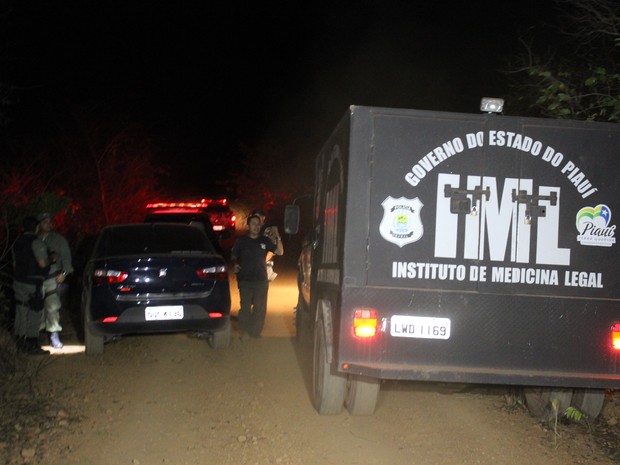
{"x":470,"y":248}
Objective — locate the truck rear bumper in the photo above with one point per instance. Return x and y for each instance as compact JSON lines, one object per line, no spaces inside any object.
{"x":459,"y":374}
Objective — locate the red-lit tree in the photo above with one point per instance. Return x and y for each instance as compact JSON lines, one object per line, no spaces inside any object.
{"x":110,"y":176}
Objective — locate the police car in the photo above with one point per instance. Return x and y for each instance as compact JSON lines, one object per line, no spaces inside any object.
{"x":214,"y":216}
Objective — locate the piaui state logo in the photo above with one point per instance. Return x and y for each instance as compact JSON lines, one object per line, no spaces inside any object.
{"x":593,"y":226}
{"x":401,"y":223}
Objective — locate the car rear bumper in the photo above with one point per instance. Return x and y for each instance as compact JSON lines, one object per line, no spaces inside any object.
{"x":132,"y":321}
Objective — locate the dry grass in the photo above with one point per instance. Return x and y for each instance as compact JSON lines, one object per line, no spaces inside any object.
{"x":25,"y":416}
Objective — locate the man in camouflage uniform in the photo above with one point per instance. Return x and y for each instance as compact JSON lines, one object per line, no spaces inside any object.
{"x":60,"y":268}
{"x":30,"y":267}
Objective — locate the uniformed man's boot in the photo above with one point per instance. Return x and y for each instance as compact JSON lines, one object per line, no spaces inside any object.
{"x":55,"y":341}
{"x":34,"y":348}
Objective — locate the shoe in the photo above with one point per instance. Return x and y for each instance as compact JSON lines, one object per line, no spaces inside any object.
{"x":55,"y":341}
{"x":34,"y":348}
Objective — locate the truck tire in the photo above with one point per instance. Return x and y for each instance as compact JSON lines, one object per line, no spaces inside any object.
{"x":362,"y":395}
{"x":539,"y":401}
{"x":220,"y":339}
{"x":328,"y":389}
{"x":588,"y":401}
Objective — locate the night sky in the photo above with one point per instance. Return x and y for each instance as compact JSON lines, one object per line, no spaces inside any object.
{"x":204,"y":77}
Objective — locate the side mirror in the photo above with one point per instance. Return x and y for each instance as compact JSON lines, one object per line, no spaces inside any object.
{"x":291,"y":219}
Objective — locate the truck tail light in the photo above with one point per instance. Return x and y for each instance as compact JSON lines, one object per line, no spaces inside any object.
{"x":365,"y":323}
{"x":615,"y":336}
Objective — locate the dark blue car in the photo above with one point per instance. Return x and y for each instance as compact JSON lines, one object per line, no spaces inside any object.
{"x":151,"y":278}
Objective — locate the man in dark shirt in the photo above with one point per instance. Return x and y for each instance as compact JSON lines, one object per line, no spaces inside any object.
{"x":248,"y":256}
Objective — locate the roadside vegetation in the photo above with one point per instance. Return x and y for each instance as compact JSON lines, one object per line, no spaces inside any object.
{"x":83,"y":177}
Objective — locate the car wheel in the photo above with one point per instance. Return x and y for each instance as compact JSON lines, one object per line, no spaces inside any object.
{"x":362,"y":395}
{"x":328,"y":388}
{"x":220,"y":339}
{"x":539,"y":401}
{"x":93,"y":342}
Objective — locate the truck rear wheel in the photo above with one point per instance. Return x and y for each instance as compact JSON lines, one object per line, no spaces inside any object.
{"x":328,"y":389}
{"x":362,"y":395}
{"x":588,"y":401}
{"x":539,"y":401}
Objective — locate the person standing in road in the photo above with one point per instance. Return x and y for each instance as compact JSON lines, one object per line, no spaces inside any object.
{"x":30,"y":267}
{"x":60,"y":268}
{"x":248,"y":257}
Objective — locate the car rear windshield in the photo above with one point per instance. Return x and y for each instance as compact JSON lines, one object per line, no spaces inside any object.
{"x":198,"y":220}
{"x":152,"y":239}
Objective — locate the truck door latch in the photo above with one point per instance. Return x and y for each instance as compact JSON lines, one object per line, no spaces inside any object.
{"x":461,"y":199}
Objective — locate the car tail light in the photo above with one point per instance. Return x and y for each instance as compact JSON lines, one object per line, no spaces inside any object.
{"x":110,"y":319}
{"x":365,"y":323}
{"x":219,"y":273}
{"x":615,"y":336}
{"x":109,"y":276}
{"x":216,"y":315}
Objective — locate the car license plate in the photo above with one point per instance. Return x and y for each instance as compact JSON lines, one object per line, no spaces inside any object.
{"x":422,"y":327}
{"x":165,"y":312}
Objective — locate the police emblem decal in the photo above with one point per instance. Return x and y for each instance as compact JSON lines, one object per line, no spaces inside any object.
{"x":401,"y":223}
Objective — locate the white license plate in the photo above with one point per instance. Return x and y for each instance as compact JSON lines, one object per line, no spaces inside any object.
{"x":422,"y":327}
{"x":165,"y":312}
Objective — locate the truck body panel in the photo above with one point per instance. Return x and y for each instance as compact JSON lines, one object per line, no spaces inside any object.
{"x":484,"y":243}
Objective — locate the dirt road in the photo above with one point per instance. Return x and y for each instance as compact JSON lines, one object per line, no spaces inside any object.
{"x":170,"y":399}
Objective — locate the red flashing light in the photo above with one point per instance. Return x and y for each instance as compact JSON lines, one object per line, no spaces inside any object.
{"x":219,"y":273}
{"x":109,"y":319}
{"x":365,"y":323}
{"x":202,"y":203}
{"x":166,"y":205}
{"x":175,"y":210}
{"x":109,"y":276}
{"x":615,"y":336}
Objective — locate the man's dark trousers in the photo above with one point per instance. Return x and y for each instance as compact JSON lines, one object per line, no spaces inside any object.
{"x":253,"y":300}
